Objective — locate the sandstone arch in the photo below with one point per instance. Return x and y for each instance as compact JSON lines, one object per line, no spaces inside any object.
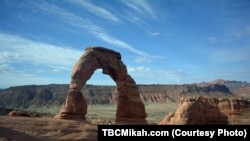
{"x":130,"y":108}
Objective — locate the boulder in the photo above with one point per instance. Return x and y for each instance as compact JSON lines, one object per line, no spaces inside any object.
{"x":19,"y":113}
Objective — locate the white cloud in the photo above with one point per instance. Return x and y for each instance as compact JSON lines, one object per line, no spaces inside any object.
{"x":15,"y":49}
{"x":23,"y":61}
{"x":99,"y":11}
{"x":140,"y":6}
{"x":148,"y":75}
{"x":85,"y":24}
{"x":97,"y":31}
{"x":43,"y":58}
{"x":116,"y":42}
{"x":143,"y":59}
{"x":133,"y":18}
{"x":139,"y":69}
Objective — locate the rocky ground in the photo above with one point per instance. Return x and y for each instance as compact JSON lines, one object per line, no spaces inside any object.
{"x":50,"y":129}
{"x":16,"y":128}
{"x":45,"y":129}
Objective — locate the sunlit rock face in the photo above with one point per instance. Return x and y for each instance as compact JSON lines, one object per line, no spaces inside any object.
{"x":207,"y":110}
{"x":130,"y":108}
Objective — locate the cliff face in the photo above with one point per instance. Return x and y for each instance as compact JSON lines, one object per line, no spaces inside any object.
{"x":172,"y":93}
{"x":25,"y":96}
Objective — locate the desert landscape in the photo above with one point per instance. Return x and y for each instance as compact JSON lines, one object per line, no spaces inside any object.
{"x":68,"y":66}
{"x":37,"y":120}
{"x":74,"y":111}
{"x":19,"y":128}
{"x":44,"y":128}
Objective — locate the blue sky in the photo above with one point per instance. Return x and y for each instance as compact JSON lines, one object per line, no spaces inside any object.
{"x":161,"y":41}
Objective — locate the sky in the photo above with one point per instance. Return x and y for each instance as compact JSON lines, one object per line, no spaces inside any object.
{"x":160,"y":41}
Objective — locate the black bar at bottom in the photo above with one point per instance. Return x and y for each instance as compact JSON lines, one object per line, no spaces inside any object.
{"x":173,"y":132}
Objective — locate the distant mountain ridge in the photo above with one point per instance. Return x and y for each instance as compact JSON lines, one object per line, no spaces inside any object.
{"x":55,"y":94}
{"x":231,"y":84}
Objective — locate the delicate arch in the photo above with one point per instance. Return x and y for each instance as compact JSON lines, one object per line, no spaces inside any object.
{"x":130,"y":108}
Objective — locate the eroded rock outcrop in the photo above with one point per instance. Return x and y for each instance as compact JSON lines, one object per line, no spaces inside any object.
{"x":130,"y":108}
{"x":207,"y":110}
{"x":19,"y":113}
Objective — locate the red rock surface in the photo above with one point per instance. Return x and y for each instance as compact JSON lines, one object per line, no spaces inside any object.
{"x":130,"y":108}
{"x":19,"y":113}
{"x":207,"y":110}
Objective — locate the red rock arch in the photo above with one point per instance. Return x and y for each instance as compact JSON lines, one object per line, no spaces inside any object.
{"x":130,"y":108}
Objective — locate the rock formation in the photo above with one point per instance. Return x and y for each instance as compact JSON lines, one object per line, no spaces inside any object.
{"x":19,"y":113}
{"x":130,"y":108}
{"x":54,"y":94}
{"x":22,"y":113}
{"x":207,"y":110}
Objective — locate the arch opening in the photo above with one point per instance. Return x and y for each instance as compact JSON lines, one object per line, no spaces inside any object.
{"x":100,"y":93}
{"x":98,"y":78}
{"x":130,"y":108}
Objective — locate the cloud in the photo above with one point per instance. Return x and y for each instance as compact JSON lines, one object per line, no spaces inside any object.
{"x":116,"y":42}
{"x":138,"y":69}
{"x":77,"y":21}
{"x":96,"y":10}
{"x":23,"y":61}
{"x":142,"y":56}
{"x":140,"y":13}
{"x":141,"y":6}
{"x":133,"y":18}
{"x":17,"y":50}
{"x":140,"y":59}
{"x":148,"y":75}
{"x":138,"y":73}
